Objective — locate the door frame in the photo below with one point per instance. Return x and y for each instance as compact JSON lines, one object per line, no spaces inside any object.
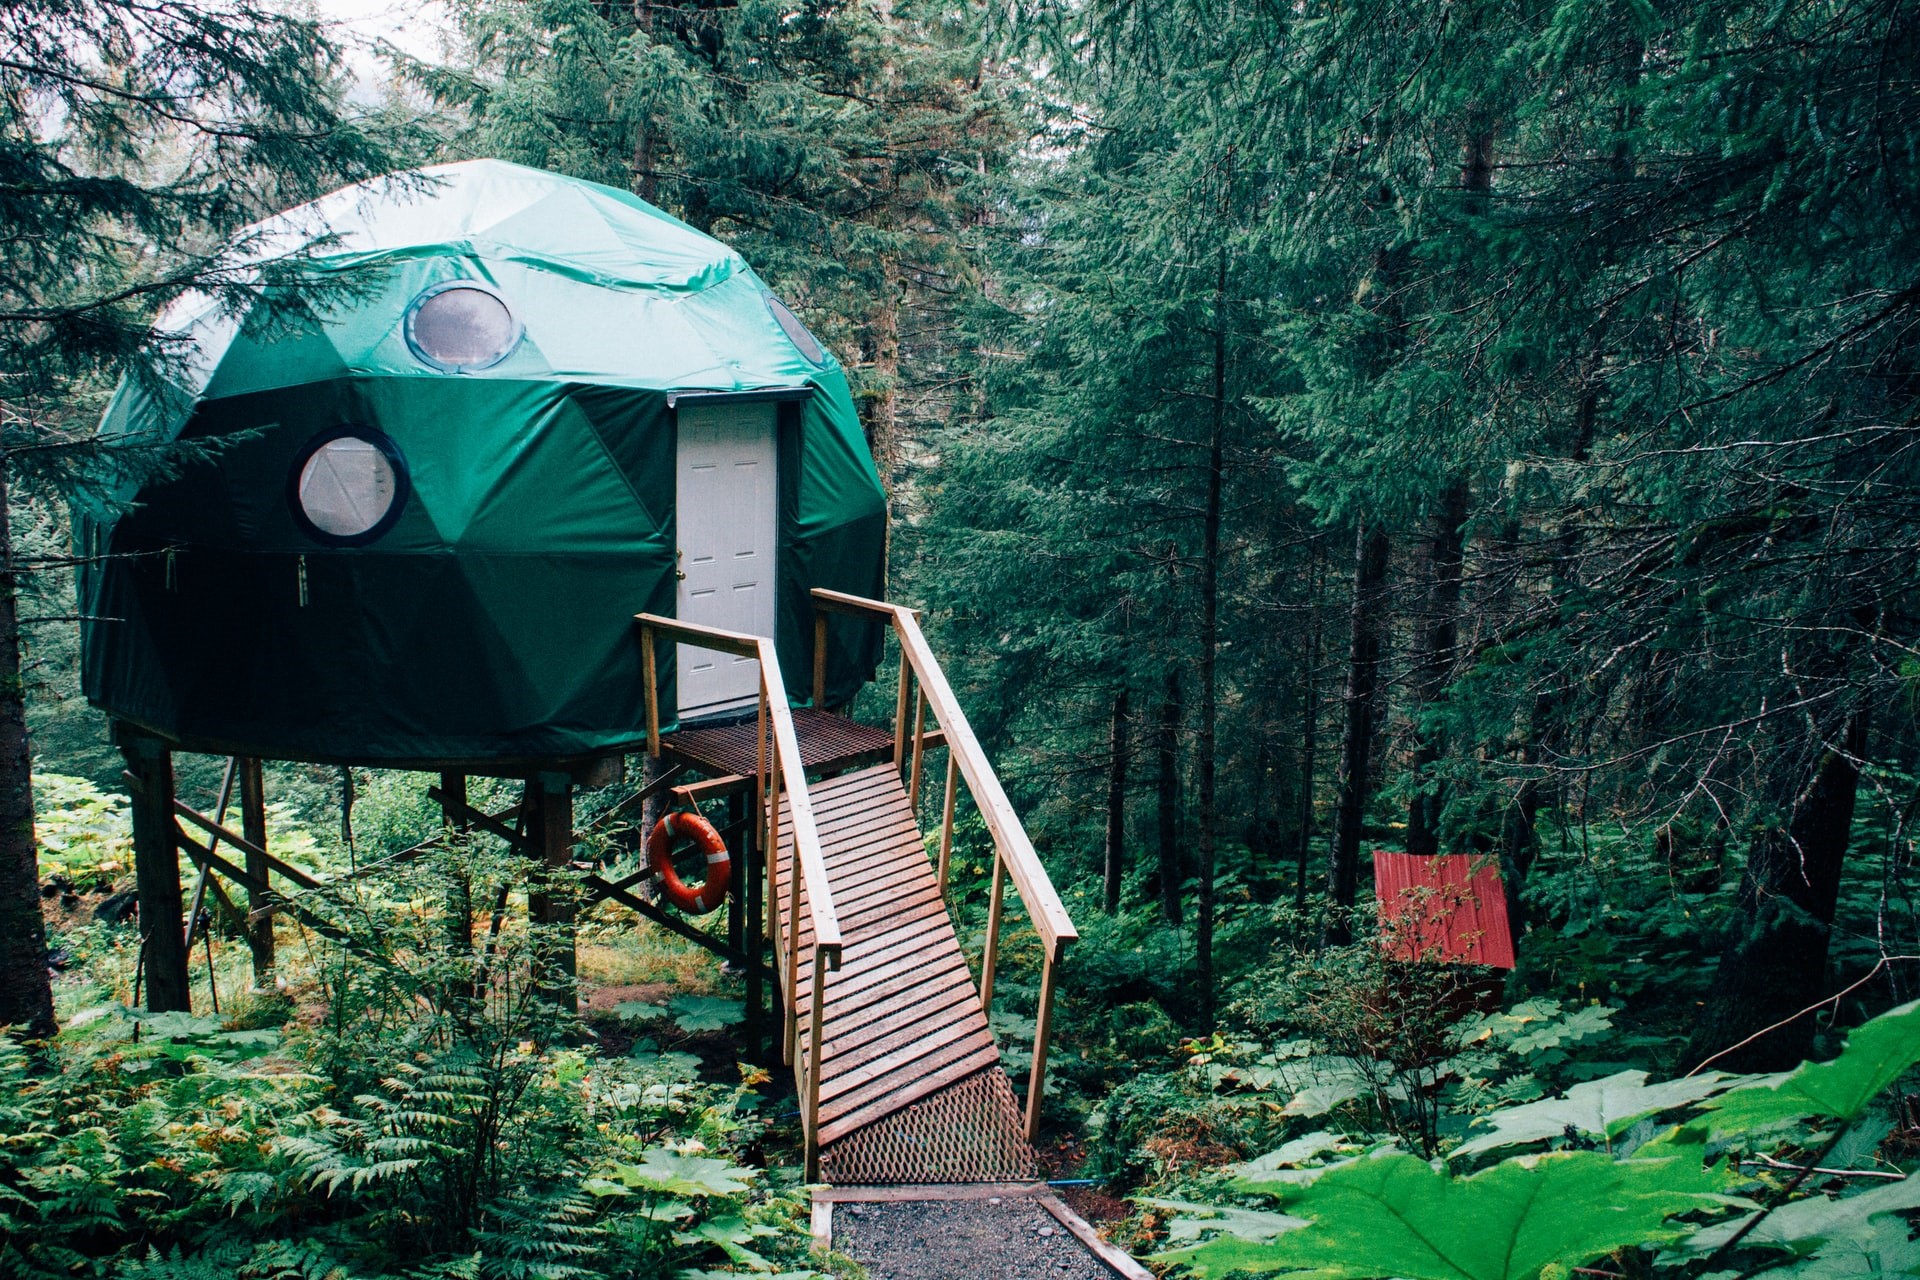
{"x":788,"y":632}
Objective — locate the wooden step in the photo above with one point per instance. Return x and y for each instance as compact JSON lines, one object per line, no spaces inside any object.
{"x":901,"y":1018}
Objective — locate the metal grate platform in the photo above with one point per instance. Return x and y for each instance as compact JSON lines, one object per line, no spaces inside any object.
{"x":968,"y":1132}
{"x":828,"y":744}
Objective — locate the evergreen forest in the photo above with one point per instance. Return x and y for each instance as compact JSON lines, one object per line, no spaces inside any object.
{"x":1312,"y":433}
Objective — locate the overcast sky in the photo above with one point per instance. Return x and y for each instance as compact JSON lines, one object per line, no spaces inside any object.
{"x":415,"y":26}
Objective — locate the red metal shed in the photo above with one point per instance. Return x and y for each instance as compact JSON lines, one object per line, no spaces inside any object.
{"x":1450,"y":908}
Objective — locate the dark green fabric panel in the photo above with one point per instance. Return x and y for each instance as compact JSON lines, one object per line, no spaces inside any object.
{"x":391,"y":658}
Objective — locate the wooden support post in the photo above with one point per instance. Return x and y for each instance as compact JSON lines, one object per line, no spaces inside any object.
{"x":652,"y":679}
{"x":990,"y":954}
{"x":735,"y":917}
{"x":816,"y":1052}
{"x":253,"y":825}
{"x":793,"y":923}
{"x":754,"y":934}
{"x":819,"y":660}
{"x":552,"y":897}
{"x":919,"y":753}
{"x":1042,"y":1034}
{"x":459,"y":886}
{"x":156,"y":870}
{"x":900,"y":712}
{"x":946,"y":821}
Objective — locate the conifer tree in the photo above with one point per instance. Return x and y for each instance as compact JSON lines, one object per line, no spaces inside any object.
{"x":133,"y":138}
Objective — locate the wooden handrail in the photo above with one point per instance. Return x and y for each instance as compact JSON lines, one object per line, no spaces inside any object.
{"x":1013,"y":853}
{"x":806,"y":838}
{"x":784,"y":775}
{"x":1023,"y":863}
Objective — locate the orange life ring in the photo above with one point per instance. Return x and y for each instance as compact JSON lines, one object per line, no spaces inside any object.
{"x":713,"y":891}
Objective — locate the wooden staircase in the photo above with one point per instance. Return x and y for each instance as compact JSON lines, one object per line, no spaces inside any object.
{"x":903,"y":1020}
{"x":898,"y":1073}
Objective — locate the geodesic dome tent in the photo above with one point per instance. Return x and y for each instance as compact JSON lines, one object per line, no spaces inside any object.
{"x":509,"y":411}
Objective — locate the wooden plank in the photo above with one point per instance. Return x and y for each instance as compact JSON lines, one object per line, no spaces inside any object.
{"x":862,"y":844}
{"x":902,"y":851}
{"x":1121,"y":1264}
{"x":880,"y":1035}
{"x":831,"y":801}
{"x":485,"y":821}
{"x":883,"y":895}
{"x":926,"y":1191}
{"x":850,"y":834}
{"x":941,"y":1044}
{"x":888,"y":885}
{"x":252,"y":850}
{"x":850,"y":1003}
{"x":882,"y":943}
{"x":852,"y":1121}
{"x":849,"y":1026}
{"x":858,"y":606}
{"x":850,"y":986}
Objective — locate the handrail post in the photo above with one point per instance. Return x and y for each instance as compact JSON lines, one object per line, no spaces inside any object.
{"x":816,"y":1053}
{"x":819,"y":660}
{"x":900,"y":710}
{"x":793,"y":947}
{"x":760,"y":757}
{"x":919,"y":749}
{"x":991,"y":952}
{"x":946,"y":823}
{"x":1042,"y":1033}
{"x":653,"y":690}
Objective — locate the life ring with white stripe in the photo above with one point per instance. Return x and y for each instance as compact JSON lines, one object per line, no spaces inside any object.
{"x":711,"y":892}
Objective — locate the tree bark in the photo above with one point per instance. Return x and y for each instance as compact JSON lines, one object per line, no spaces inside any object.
{"x":156,"y":872}
{"x":1370,"y":551}
{"x":1166,"y":741}
{"x":1310,"y":726}
{"x":26,"y":992}
{"x":1115,"y":866}
{"x":1436,"y":638}
{"x":1210,"y":645}
{"x":1775,"y":961}
{"x":253,"y":826}
{"x":459,"y":884}
{"x":552,"y":898}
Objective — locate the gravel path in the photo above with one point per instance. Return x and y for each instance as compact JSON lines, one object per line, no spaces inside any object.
{"x":1009,"y":1238}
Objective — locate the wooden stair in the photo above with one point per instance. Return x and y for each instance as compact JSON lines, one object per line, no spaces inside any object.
{"x":911,"y":1088}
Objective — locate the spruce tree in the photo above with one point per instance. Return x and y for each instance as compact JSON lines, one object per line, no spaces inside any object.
{"x":133,"y":139}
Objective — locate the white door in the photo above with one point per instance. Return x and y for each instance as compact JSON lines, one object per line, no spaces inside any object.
{"x":726,"y":509}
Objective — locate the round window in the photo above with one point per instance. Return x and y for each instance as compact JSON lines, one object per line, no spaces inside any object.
{"x":796,"y":332}
{"x":349,"y":486}
{"x":458,"y":326}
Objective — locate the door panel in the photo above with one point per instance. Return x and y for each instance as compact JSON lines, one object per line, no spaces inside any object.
{"x":726,"y":511}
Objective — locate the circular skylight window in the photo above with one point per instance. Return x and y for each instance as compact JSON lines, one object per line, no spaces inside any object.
{"x":796,"y":332}
{"x":349,"y":486}
{"x":459,"y":326}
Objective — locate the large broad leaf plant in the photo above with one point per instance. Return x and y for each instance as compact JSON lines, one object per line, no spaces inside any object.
{"x":1687,"y":1176}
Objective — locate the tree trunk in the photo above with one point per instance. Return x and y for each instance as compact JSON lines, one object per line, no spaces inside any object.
{"x":26,"y":993}
{"x":1775,"y":961}
{"x":1436,"y":637}
{"x":1210,"y":645}
{"x":552,"y":896}
{"x":1370,"y":551}
{"x":253,"y":826}
{"x":1166,"y":743}
{"x":156,"y":873}
{"x":1115,"y":867}
{"x":1310,"y":726}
